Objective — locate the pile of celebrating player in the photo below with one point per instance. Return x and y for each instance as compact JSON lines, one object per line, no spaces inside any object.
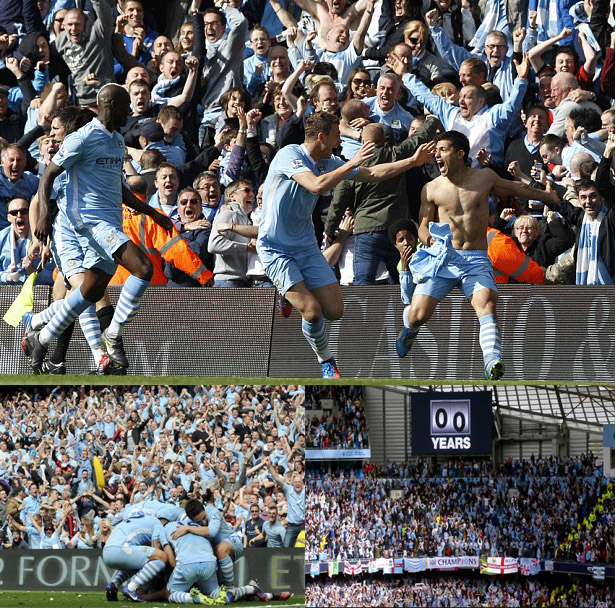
{"x":99,"y":468}
{"x":484,"y":135}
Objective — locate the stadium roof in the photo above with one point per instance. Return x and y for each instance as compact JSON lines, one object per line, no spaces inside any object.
{"x":582,"y":407}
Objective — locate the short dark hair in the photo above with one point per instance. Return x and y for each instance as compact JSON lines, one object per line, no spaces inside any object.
{"x":477,"y":66}
{"x":151,"y":158}
{"x":169,"y":112}
{"x":402,"y":224}
{"x":551,"y":141}
{"x":537,"y":107}
{"x":585,"y":185}
{"x":218,"y":12}
{"x":459,"y":140}
{"x":587,"y":118}
{"x":193,"y":508}
{"x":320,"y":122}
{"x":326,"y":68}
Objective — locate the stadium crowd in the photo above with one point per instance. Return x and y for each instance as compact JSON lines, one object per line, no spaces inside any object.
{"x":346,"y":428}
{"x":442,"y":591}
{"x":542,"y":508}
{"x":243,"y":444}
{"x":218,"y":87}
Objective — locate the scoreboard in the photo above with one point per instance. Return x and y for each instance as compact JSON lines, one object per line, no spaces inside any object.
{"x":451,"y":423}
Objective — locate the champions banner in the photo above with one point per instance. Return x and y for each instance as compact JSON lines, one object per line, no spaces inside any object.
{"x":451,"y":563}
{"x":499,"y":565}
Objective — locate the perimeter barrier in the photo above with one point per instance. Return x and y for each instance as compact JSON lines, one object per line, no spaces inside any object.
{"x":550,"y":333}
{"x":74,"y":570}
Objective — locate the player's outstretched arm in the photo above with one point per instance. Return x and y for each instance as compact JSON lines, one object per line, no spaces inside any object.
{"x":136,"y":204}
{"x":384,"y":171}
{"x":42,"y":228}
{"x":325,"y":182}
{"x":502,"y":187}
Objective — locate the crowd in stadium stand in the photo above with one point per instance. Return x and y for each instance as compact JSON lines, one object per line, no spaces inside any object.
{"x":540,"y":508}
{"x":218,"y":87}
{"x":346,"y":429}
{"x":152,"y":443}
{"x":445,"y":591}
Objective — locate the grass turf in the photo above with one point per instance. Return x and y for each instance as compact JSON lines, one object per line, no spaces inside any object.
{"x":40,"y":380}
{"x":96,"y":599}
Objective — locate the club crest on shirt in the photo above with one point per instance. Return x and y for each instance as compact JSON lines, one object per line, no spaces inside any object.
{"x":71,"y":264}
{"x":321,"y":168}
{"x":111,"y":238}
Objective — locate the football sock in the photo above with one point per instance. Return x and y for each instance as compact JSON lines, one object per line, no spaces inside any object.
{"x":179,"y":597}
{"x":119,"y":578}
{"x":316,"y":335}
{"x":146,"y":574}
{"x":241,"y":592}
{"x":226,"y":568}
{"x":405,"y":318}
{"x":128,"y":304}
{"x":68,"y":312}
{"x":92,"y":331}
{"x":42,"y":317}
{"x":490,"y":338}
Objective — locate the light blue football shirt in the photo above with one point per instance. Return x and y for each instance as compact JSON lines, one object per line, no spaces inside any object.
{"x":286,"y":221}
{"x":138,"y":531}
{"x":93,"y":158}
{"x":189,"y":548}
{"x":219,"y":529}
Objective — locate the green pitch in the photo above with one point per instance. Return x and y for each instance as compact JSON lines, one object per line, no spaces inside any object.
{"x":39,"y":380}
{"x":82,"y":599}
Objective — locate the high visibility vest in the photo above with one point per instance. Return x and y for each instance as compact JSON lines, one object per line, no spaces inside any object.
{"x":509,"y":262}
{"x":160,"y":245}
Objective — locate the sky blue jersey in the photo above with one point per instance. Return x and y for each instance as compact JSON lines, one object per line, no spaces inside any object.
{"x":286,"y":221}
{"x":138,"y":531}
{"x":189,"y":548}
{"x":93,"y":158}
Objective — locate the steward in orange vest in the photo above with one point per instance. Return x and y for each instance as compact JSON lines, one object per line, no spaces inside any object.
{"x":510,"y":263}
{"x":160,"y":246}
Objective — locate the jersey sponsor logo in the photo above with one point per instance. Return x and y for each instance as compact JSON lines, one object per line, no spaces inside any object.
{"x":110,"y":161}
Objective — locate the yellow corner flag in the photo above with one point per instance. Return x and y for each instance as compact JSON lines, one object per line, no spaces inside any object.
{"x":23,"y":303}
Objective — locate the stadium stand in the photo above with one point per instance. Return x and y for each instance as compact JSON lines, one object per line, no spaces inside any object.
{"x":344,"y":426}
{"x":73,"y":460}
{"x":446,"y":526}
{"x":456,"y":592}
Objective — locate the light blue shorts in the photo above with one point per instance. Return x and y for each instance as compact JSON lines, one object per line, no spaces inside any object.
{"x":99,"y":243}
{"x":286,"y":270}
{"x":202,"y":574}
{"x":474,"y":274}
{"x":66,"y":250}
{"x":126,"y":557}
